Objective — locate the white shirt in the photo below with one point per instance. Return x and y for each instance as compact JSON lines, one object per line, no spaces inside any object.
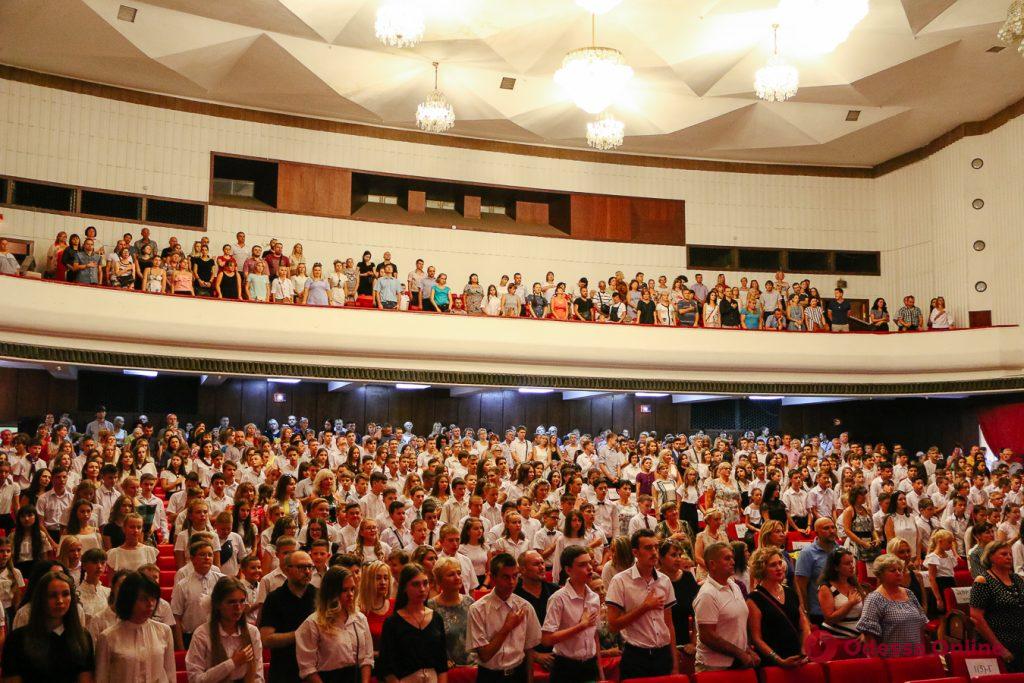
{"x":122,"y":558}
{"x":187,"y":596}
{"x":627,"y":590}
{"x":135,"y":652}
{"x":487,"y":615}
{"x":342,"y":646}
{"x":822,"y":500}
{"x":268,"y":584}
{"x":795,"y":502}
{"x":606,"y":517}
{"x":54,"y":508}
{"x":566,"y":608}
{"x":721,"y":606}
{"x":396,"y":538}
{"x":199,"y":664}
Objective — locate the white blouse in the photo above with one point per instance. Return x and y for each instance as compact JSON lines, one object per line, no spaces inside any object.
{"x":135,"y":652}
{"x":200,"y":651}
{"x":317,"y":649}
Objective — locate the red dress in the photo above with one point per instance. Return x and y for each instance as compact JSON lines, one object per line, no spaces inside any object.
{"x":376,"y":622}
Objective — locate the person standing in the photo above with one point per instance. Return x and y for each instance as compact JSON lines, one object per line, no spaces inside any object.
{"x":571,"y":623}
{"x":283,"y":613}
{"x":639,"y":603}
{"x":137,"y":647}
{"x":810,"y":565}
{"x":226,"y":647}
{"x":503,"y":628}
{"x":721,"y":615}
{"x":333,"y":645}
{"x":838,"y":312}
{"x":412,"y":644}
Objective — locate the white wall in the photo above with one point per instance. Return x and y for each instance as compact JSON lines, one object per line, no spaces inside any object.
{"x":65,"y":137}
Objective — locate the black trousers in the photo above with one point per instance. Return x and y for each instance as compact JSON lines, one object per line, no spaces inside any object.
{"x":574,"y":670}
{"x":642,"y":662}
{"x":348,"y":674}
{"x":516,"y":675}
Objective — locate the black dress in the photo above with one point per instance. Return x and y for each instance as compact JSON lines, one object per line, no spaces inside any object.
{"x":780,"y":622}
{"x":405,"y":649}
{"x":645,"y":311}
{"x":366,"y":274}
{"x":685,"y":589}
{"x":1003,"y":607}
{"x":54,"y":661}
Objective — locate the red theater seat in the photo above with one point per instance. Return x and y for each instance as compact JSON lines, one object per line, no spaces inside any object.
{"x":739,"y":676}
{"x":957,"y":661}
{"x":796,"y":540}
{"x":678,"y":678}
{"x":999,"y":678}
{"x":808,"y":673}
{"x":462,"y":674}
{"x":165,"y":592}
{"x":963,"y":577}
{"x":945,"y":679}
{"x":167,"y":579}
{"x":182,"y":677}
{"x":166,"y":563}
{"x":903,"y":669}
{"x":179,"y":660}
{"x":855,"y":670}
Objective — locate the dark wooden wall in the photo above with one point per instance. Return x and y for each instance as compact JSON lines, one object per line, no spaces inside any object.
{"x":33,"y":393}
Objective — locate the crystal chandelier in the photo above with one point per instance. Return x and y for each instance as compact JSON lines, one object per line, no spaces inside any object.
{"x":1013,"y":30}
{"x":598,"y":6}
{"x":778,"y":80}
{"x":817,"y":27}
{"x":605,"y":133}
{"x":593,"y":76}
{"x":435,"y":114}
{"x":400,"y":23}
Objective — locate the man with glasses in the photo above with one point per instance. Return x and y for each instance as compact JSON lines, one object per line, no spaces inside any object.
{"x":283,"y":612}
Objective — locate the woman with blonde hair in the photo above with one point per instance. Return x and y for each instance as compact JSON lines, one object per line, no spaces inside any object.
{"x":621,"y":558}
{"x":453,"y":606}
{"x":773,"y":533}
{"x":333,"y":644}
{"x":911,"y":580}
{"x":778,"y":626}
{"x":374,"y":599}
{"x":941,"y":563}
{"x":714,"y":532}
{"x":891,"y":614}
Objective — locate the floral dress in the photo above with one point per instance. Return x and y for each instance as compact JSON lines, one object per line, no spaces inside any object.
{"x":456,"y":624}
{"x":728,"y":499}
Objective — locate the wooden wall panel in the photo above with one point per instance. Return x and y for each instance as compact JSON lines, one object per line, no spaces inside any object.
{"x":314,"y":190}
{"x":255,"y":395}
{"x":531,"y":212}
{"x":469,"y":410}
{"x":9,"y":395}
{"x":622,"y":413}
{"x":33,"y":392}
{"x":601,"y":414}
{"x":490,"y":411}
{"x":600,"y":217}
{"x":535,"y":411}
{"x":377,"y":404}
{"x":512,"y":410}
{"x":658,"y":221}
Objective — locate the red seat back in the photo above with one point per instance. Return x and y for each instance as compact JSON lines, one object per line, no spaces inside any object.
{"x":462,"y":674}
{"x":808,"y":673}
{"x":855,"y":670}
{"x":796,"y":540}
{"x":903,"y":669}
{"x":957,"y":661}
{"x":677,"y":678}
{"x":963,"y":577}
{"x":738,"y":676}
{"x":179,"y":660}
{"x":1000,"y":678}
{"x":945,"y":679}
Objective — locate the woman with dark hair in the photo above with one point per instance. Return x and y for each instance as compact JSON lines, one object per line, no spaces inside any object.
{"x":67,"y":257}
{"x":840,"y":595}
{"x":284,"y":494}
{"x":227,"y":647}
{"x":39,"y":484}
{"x":137,"y":647}
{"x":997,"y":598}
{"x":859,"y":527}
{"x":413,"y":639}
{"x":367,"y":273}
{"x":878,"y":316}
{"x":333,"y":644}
{"x":31,"y":543}
{"x":772,"y":506}
{"x":53,"y":646}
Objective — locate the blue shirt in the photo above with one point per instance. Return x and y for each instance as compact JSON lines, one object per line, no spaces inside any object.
{"x":388,"y":288}
{"x":810,"y":564}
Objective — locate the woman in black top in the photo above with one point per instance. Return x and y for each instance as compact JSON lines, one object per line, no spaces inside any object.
{"x":229,"y":283}
{"x":997,"y":603}
{"x":413,"y":636}
{"x":54,"y":646}
{"x":367,"y":273}
{"x":645,"y":309}
{"x":778,"y":627}
{"x":676,"y":565}
{"x":729,"y":311}
{"x":142,"y":264}
{"x":772,"y":506}
{"x":68,"y":256}
{"x":202,"y":269}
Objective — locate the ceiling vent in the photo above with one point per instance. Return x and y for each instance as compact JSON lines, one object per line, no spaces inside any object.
{"x":126,"y":13}
{"x":508,"y":83}
{"x":853,"y":115}
{"x":996,"y":48}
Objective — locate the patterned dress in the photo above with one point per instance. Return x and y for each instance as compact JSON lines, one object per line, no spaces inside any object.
{"x":727,"y":499}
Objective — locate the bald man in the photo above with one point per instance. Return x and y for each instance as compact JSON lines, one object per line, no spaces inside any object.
{"x":283,"y":612}
{"x":811,"y":563}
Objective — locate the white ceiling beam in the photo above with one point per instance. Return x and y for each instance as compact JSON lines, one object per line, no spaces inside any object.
{"x":576,"y":395}
{"x":696,"y":398}
{"x":456,"y":392}
{"x":339,"y":386}
{"x":813,"y":400}
{"x":212,"y":380}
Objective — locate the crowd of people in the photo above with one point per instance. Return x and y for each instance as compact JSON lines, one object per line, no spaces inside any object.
{"x":348,"y":553}
{"x":252,"y":272}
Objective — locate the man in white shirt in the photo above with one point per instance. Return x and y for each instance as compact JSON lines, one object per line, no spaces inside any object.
{"x":187,"y":604}
{"x":821,"y":501}
{"x":54,"y":506}
{"x":609,"y":458}
{"x":457,"y":506}
{"x":239,"y":249}
{"x":372,"y":504}
{"x":570,"y":624}
{"x":639,"y":603}
{"x":450,"y":548}
{"x":795,"y":500}
{"x":721,"y":614}
{"x":285,"y":546}
{"x":395,"y":533}
{"x":606,"y":513}
{"x":503,"y":628}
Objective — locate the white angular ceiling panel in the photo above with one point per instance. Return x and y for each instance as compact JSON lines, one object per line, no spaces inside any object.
{"x":914,"y":68}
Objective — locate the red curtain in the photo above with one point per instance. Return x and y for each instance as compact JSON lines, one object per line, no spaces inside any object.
{"x":1003,"y":427}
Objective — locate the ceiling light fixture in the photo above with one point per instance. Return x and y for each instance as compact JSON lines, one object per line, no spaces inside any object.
{"x":605,"y":133}
{"x":778,"y":80}
{"x":435,"y":114}
{"x":411,"y":387}
{"x":400,"y":23}
{"x":140,"y":373}
{"x":1012,"y":30}
{"x":535,"y":390}
{"x":593,"y":76}
{"x":598,"y":6}
{"x":818,"y":27}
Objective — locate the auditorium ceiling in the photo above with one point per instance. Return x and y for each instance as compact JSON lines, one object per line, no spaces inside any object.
{"x":914,"y":69}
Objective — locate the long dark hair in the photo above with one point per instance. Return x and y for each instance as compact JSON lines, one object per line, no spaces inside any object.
{"x":409,"y":572}
{"x":37,"y":644}
{"x":224,"y":587}
{"x":38,"y":545}
{"x":875,"y":307}
{"x":831,"y":571}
